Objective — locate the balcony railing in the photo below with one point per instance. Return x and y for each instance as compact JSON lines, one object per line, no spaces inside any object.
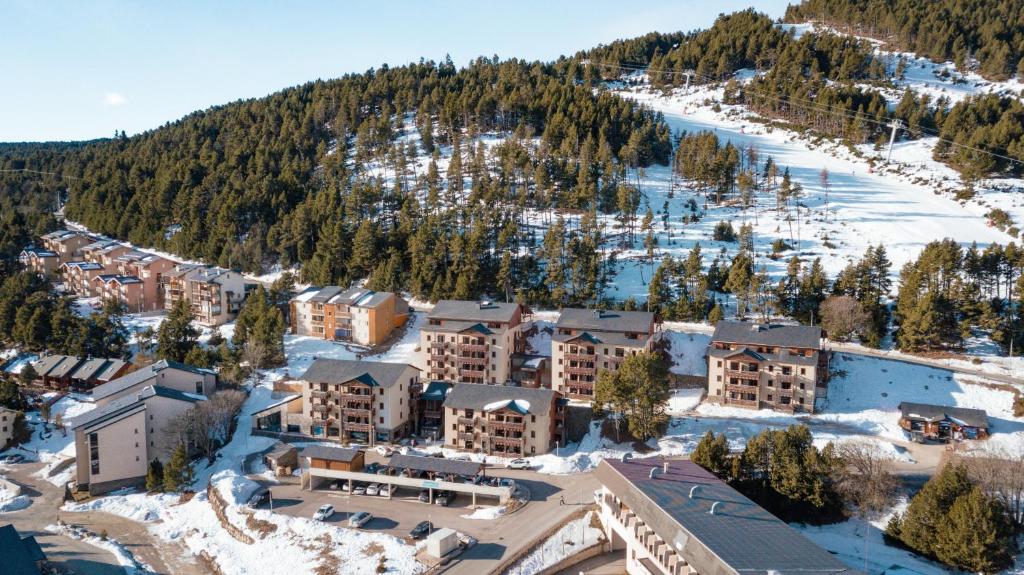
{"x":361,"y":427}
{"x":470,"y":421}
{"x":742,"y":374}
{"x":355,"y":412}
{"x":319,"y":394}
{"x":472,"y":373}
{"x":432,"y":414}
{"x":743,"y":402}
{"x":437,"y":356}
{"x":580,"y":357}
{"x":320,"y":408}
{"x":473,"y":360}
{"x":356,"y":397}
{"x":462,"y":436}
{"x":500,"y":440}
{"x":473,"y":347}
{"x":580,"y":370}
{"x":495,"y":424}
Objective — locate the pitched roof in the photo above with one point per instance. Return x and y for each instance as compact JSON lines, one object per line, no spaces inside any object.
{"x":65,"y":367}
{"x":436,"y":391}
{"x":928,"y":412}
{"x":325,"y":294}
{"x":605,"y":320}
{"x":767,"y":334}
{"x":19,"y":554}
{"x":344,"y":454}
{"x":783,"y":355}
{"x":89,"y":368}
{"x":130,"y":404}
{"x":46,"y":364}
{"x":287,"y":399}
{"x":372,"y":373}
{"x":140,"y":376}
{"x":475,"y":311}
{"x":435,"y":465}
{"x":605,"y":338}
{"x":739,"y":533}
{"x":479,"y":396}
{"x":110,"y":370}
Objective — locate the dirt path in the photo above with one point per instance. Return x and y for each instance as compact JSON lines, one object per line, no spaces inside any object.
{"x":79,"y":557}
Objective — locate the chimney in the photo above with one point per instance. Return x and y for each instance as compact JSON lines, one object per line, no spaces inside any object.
{"x":694,"y":490}
{"x":713,"y":506}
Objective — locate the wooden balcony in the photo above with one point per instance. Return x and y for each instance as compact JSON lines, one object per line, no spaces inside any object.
{"x":580,"y":357}
{"x":438,"y":372}
{"x":432,"y":414}
{"x":505,"y":425}
{"x":470,"y":421}
{"x":739,"y":388}
{"x":743,"y":374}
{"x":740,"y":402}
{"x":580,"y":370}
{"x":355,"y":412}
{"x":437,"y":346}
{"x":473,"y":373}
{"x":462,"y":436}
{"x":359,"y":427}
{"x":319,"y":394}
{"x":437,"y":356}
{"x":360,"y":398}
{"x":472,"y":360}
{"x":615,"y":360}
{"x":503,"y":440}
{"x":320,"y":408}
{"x":473,"y":347}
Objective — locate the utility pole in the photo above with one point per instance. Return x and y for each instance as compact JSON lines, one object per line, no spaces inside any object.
{"x":895,"y":125}
{"x":688,"y":74}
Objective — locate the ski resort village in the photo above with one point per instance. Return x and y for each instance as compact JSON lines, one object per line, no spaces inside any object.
{"x":741,"y":299}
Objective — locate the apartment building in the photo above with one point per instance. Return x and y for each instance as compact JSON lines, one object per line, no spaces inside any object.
{"x":759,"y":365}
{"x":357,"y":315}
{"x":472,"y":341}
{"x":66,"y":244}
{"x":40,"y":261}
{"x":588,"y":341}
{"x":216,"y":295}
{"x":179,"y":377}
{"x":7,"y":419}
{"x":129,"y":291}
{"x":502,"y":420}
{"x":115,"y":442}
{"x":675,"y":518}
{"x":106,"y":254}
{"x":346,"y":400}
{"x":78,"y":277}
{"x":176,"y":283}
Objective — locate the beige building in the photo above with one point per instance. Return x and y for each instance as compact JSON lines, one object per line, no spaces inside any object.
{"x":40,"y":261}
{"x":115,"y":442}
{"x":357,"y":315}
{"x":216,"y":295}
{"x":176,"y":283}
{"x":472,"y":341}
{"x":502,"y":420}
{"x":757,"y":365}
{"x":194,"y":381}
{"x":675,"y":518}
{"x":587,"y":341}
{"x":66,"y":244}
{"x":7,"y":419}
{"x":78,"y":277}
{"x":346,"y":400}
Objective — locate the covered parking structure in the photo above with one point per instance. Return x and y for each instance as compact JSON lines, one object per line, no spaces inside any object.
{"x":321,"y":465}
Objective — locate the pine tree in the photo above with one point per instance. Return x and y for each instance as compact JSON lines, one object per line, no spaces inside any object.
{"x":178,"y":471}
{"x":918,"y":526}
{"x":712,"y":453}
{"x":176,"y":335}
{"x":155,"y":476}
{"x":976,"y":535}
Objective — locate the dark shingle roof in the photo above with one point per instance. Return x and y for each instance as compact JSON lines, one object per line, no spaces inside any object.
{"x":435,"y":465}
{"x":740,"y":533}
{"x":970,"y":417}
{"x":605,"y":320}
{"x":474,"y":311}
{"x":344,"y":454}
{"x":767,"y":334}
{"x":372,"y":373}
{"x":19,"y":554}
{"x":129,"y":404}
{"x":476,"y":396}
{"x":325,"y":294}
{"x":140,"y":376}
{"x":782,"y":356}
{"x":46,"y":364}
{"x":89,"y":368}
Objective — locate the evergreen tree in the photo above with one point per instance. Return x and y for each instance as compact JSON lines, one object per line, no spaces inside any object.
{"x":155,"y":476}
{"x":976,"y":535}
{"x":712,"y":453}
{"x":176,"y":335}
{"x":178,"y":471}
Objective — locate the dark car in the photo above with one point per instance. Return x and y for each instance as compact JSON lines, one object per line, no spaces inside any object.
{"x":445,"y":498}
{"x":422,"y":529}
{"x":372,"y":467}
{"x":14,"y":458}
{"x":258,"y":498}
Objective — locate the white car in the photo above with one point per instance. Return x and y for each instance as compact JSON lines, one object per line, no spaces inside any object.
{"x":359,"y":519}
{"x":384,"y":451}
{"x":323,"y":513}
{"x":373,"y":489}
{"x":385,"y":490}
{"x":518,"y":464}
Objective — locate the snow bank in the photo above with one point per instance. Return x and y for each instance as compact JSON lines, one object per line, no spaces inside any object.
{"x":486,"y":513}
{"x":573,"y":537}
{"x":132,"y":566}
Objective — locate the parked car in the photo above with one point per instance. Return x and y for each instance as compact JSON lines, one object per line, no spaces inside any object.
{"x":258,"y":498}
{"x":425,"y":496}
{"x":518,"y":464}
{"x":444,"y":498}
{"x":372,"y":467}
{"x":373,"y":489}
{"x":359,"y":489}
{"x":14,"y":458}
{"x":344,"y":484}
{"x":422,"y":529}
{"x":385,"y":490}
{"x":385,"y":451}
{"x":478,"y":479}
{"x":359,"y":519}
{"x":506,"y":482}
{"x":323,"y":513}
{"x":437,"y":454}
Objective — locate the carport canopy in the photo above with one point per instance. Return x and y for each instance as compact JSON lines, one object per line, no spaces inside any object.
{"x":436,"y":465}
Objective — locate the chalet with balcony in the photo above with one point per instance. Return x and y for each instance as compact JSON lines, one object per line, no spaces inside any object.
{"x":943,"y":422}
{"x":358,"y":315}
{"x":759,"y":365}
{"x":472,"y":341}
{"x":587,"y":341}
{"x":41,"y":261}
{"x":502,"y":420}
{"x":676,"y":518}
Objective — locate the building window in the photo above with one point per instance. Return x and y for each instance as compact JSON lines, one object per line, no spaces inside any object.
{"x":453,"y":427}
{"x":719,"y":363}
{"x":199,"y":387}
{"x":533,"y":433}
{"x":94,"y":453}
{"x":381,"y":419}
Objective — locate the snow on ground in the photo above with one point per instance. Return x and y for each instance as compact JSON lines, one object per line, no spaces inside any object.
{"x":687,"y":351}
{"x":53,"y":446}
{"x":17,"y":363}
{"x":573,"y":537}
{"x":486,"y":513}
{"x":684,"y":400}
{"x":11,"y":499}
{"x":132,"y":566}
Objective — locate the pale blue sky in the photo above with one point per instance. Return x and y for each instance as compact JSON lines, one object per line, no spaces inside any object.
{"x":80,"y":70}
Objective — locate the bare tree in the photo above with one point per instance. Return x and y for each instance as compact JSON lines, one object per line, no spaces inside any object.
{"x":1000,"y":472}
{"x":207,"y":427}
{"x":842,"y":317}
{"x":865,"y":481}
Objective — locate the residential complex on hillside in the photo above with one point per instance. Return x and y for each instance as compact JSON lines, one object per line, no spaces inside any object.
{"x":7,"y":419}
{"x":347,"y":400}
{"x":78,"y":373}
{"x":215,"y":295}
{"x":588,"y":341}
{"x":760,"y":365}
{"x":472,"y":341}
{"x":356,"y":315}
{"x":502,"y":420}
{"x":676,"y":518}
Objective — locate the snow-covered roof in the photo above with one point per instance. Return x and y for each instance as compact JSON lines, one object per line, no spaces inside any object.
{"x":531,"y":400}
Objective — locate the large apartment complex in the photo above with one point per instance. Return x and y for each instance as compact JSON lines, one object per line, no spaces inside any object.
{"x":760,"y":365}
{"x":347,"y":400}
{"x":215,"y":295}
{"x":502,"y":420}
{"x":587,"y":341}
{"x":472,"y":341}
{"x":358,"y":315}
{"x":675,"y":518}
